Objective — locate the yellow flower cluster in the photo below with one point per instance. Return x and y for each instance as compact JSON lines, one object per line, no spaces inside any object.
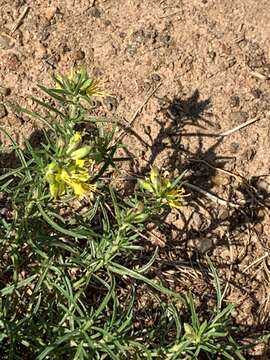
{"x":160,"y":185}
{"x":73,"y":173}
{"x":74,"y":176}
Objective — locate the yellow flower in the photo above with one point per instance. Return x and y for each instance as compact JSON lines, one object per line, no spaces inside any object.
{"x":77,"y":137}
{"x":74,"y":176}
{"x":163,"y":188}
{"x":95,"y":89}
{"x":174,"y":198}
{"x":72,"y":74}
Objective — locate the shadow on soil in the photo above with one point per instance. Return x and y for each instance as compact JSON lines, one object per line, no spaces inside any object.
{"x":222,"y":225}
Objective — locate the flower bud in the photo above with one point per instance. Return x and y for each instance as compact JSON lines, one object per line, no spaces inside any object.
{"x":155,"y":178}
{"x":54,"y":190}
{"x":81,"y":152}
{"x":50,"y":172}
{"x":74,"y":142}
{"x":145,"y":185}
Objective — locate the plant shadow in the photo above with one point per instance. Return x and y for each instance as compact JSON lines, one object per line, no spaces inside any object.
{"x":188,"y":237}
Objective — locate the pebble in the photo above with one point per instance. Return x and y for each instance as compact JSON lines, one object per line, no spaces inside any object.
{"x":6,"y":42}
{"x":110,"y":103}
{"x":79,"y":55}
{"x":5,"y":91}
{"x":131,"y":49}
{"x":224,"y":214}
{"x":95,"y":12}
{"x":50,"y":12}
{"x":40,"y":51}
{"x":203,"y":245}
{"x":258,"y":228}
{"x":234,"y":101}
{"x":196,"y":221}
{"x":238,"y":117}
{"x":12,"y":62}
{"x":234,"y":147}
{"x":257,"y":93}
{"x":155,"y":77}
{"x":263,"y":185}
{"x":221,"y":179}
{"x":139,"y":36}
{"x":3,"y":111}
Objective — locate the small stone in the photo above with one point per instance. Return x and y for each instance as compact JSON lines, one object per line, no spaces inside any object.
{"x":131,"y":49}
{"x":6,"y":42}
{"x":165,"y":39}
{"x":196,"y":221}
{"x":107,"y":23}
{"x":79,"y":55}
{"x":155,"y":77}
{"x":238,"y":117}
{"x":258,"y":228}
{"x":5,"y":91}
{"x":13,"y":62}
{"x":139,"y":36}
{"x":50,"y":12}
{"x":257,"y":93}
{"x":110,"y":103}
{"x":234,"y":146}
{"x":224,"y":214}
{"x":95,"y":12}
{"x":40,"y":51}
{"x":122,"y":35}
{"x":221,"y":179}
{"x":203,"y":245}
{"x":263,"y":186}
{"x":249,"y":154}
{"x":234,"y":101}
{"x":3,"y":111}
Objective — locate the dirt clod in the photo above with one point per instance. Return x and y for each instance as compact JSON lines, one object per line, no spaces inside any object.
{"x":5,"y":91}
{"x":6,"y":42}
{"x":79,"y":55}
{"x":234,"y":101}
{"x":238,"y":117}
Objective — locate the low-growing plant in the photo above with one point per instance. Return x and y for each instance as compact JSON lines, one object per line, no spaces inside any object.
{"x":68,"y":236}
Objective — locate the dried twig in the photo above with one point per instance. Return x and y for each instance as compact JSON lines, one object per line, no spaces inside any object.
{"x":251,"y":121}
{"x":250,"y":189}
{"x":256,"y":261}
{"x":229,"y":173}
{"x":259,"y":75}
{"x":20,"y":19}
{"x":230,"y":270}
{"x":211,"y":196}
{"x":170,"y":15}
{"x":122,"y":133}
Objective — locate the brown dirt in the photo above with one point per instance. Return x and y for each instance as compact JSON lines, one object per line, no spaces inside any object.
{"x":212,"y":62}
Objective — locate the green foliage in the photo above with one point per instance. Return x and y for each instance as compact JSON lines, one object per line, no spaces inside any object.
{"x":68,"y":289}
